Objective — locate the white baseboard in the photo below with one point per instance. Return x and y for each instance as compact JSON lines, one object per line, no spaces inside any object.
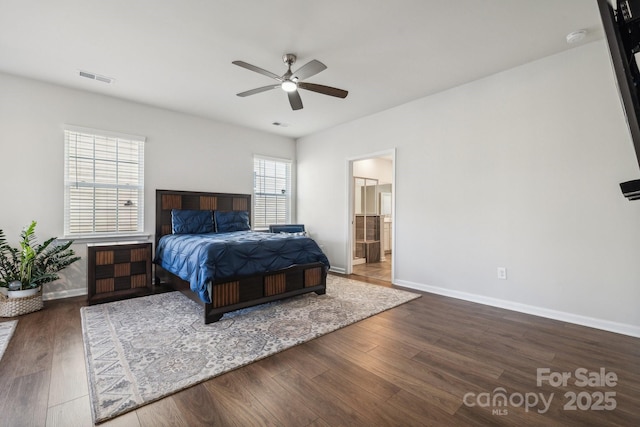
{"x":63,"y":294}
{"x":338,"y":270}
{"x":606,"y":325}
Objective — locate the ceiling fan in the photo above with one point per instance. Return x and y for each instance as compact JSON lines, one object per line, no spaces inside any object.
{"x":290,"y":82}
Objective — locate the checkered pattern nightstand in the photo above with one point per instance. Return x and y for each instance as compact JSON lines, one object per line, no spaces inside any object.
{"x":118,"y":270}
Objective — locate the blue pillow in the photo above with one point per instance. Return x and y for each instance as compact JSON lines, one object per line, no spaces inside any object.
{"x":232,"y":221}
{"x":184,"y":221}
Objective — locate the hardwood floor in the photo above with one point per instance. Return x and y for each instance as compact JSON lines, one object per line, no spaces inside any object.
{"x":433,"y":361}
{"x":375,"y":270}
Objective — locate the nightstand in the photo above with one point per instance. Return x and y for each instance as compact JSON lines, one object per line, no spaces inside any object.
{"x":118,"y":270}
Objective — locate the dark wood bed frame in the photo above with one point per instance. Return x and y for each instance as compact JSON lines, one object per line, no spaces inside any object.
{"x":238,"y":292}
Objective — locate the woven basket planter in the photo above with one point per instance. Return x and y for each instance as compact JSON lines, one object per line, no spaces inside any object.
{"x":10,"y":307}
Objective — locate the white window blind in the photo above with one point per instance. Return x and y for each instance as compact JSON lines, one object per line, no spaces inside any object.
{"x":271,"y":191}
{"x":104,"y":183}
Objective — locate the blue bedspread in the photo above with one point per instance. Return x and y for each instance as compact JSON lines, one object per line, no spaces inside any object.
{"x":201,"y":258}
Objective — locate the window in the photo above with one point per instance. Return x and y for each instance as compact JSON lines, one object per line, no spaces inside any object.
{"x":104,"y":183}
{"x":271,"y":191}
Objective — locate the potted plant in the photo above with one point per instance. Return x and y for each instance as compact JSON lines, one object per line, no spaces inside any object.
{"x":31,"y":265}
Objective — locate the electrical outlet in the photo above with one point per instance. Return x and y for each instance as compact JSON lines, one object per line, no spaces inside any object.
{"x":502,"y":273}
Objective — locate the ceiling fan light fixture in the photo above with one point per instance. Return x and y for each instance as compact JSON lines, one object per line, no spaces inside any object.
{"x":289,"y":86}
{"x":290,"y":81}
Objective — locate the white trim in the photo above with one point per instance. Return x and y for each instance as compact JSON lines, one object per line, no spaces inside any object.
{"x":350,"y":213}
{"x":605,"y":325}
{"x":273,"y":159}
{"x":337,"y":270}
{"x":293,"y":212}
{"x":291,"y":196}
{"x":46,"y":296}
{"x":375,"y":154}
{"x":394,"y":218}
{"x":106,"y":133}
{"x":95,"y":238}
{"x":72,"y":137}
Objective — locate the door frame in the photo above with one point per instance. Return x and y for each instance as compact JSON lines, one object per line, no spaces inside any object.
{"x":351,"y":211}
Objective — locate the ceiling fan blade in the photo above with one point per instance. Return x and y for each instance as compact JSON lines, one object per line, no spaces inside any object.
{"x":325,"y":90}
{"x":257,"y":70}
{"x":309,"y":69}
{"x":295,"y":100}
{"x":258,"y":90}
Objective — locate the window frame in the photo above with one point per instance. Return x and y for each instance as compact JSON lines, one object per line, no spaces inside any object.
{"x":289,"y":196}
{"x":140,"y":141}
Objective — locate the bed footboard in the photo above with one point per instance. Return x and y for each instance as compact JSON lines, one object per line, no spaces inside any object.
{"x":242,"y":292}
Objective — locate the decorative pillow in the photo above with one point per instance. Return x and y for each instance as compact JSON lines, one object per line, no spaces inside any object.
{"x":232,"y":221}
{"x":184,"y":221}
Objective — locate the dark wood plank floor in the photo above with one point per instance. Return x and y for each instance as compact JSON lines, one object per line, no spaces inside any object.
{"x":375,"y":270}
{"x":423,"y":363}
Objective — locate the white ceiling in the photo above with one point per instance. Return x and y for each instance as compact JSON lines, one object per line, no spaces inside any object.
{"x":177,"y":54}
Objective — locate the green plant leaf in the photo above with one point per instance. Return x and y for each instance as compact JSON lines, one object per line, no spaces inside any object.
{"x":33,"y":265}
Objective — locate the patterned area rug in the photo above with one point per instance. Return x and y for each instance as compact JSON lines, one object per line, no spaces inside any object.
{"x":6,"y":331}
{"x":143,"y":349}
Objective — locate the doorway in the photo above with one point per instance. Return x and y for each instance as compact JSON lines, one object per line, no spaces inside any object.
{"x":371,"y":216}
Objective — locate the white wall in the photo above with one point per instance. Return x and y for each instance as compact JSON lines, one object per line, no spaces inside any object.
{"x":182,"y":153}
{"x":517,"y":170}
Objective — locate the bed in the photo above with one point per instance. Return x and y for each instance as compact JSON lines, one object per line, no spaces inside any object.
{"x":294,"y":263}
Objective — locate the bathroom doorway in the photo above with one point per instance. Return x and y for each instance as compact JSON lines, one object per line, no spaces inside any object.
{"x":371,"y":216}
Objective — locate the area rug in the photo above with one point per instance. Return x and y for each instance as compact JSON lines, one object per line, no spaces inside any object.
{"x":140,"y":350}
{"x":6,"y":331}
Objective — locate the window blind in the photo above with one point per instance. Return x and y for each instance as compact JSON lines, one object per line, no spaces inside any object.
{"x":104,"y":183}
{"x":272,"y":191}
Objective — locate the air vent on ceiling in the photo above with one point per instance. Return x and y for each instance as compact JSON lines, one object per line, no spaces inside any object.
{"x":97,"y":77}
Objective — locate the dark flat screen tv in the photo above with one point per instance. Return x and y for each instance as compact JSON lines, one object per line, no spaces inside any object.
{"x":622,"y":31}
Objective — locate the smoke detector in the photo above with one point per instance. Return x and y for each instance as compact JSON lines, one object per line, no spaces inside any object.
{"x":576,"y":36}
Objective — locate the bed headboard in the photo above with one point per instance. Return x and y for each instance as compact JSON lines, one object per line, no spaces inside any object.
{"x":196,"y":200}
